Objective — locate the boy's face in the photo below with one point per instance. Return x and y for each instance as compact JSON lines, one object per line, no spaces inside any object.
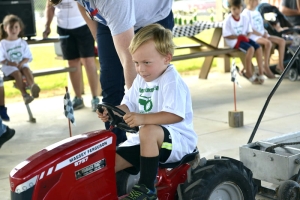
{"x":236,"y":11}
{"x":149,"y":63}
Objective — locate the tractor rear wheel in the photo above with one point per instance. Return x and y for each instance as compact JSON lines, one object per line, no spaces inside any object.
{"x":219,"y":179}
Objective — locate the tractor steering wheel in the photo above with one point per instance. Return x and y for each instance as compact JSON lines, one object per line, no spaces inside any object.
{"x":116,"y":120}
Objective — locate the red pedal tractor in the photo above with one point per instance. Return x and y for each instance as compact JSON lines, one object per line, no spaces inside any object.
{"x":82,"y":167}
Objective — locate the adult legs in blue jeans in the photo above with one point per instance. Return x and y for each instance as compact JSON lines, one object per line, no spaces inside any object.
{"x":112,"y":76}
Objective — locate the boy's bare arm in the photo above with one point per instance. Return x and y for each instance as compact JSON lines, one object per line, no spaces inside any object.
{"x":231,"y":37}
{"x":124,"y":108}
{"x":137,"y":119}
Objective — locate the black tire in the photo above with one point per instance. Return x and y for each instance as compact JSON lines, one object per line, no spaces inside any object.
{"x":293,"y":74}
{"x":222,"y":179}
{"x":125,"y":182}
{"x":288,"y":190}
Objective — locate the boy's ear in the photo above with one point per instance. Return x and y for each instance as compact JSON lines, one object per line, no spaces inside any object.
{"x":168,"y":58}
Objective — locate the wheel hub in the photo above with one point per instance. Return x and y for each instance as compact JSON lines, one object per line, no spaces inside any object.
{"x":226,"y":191}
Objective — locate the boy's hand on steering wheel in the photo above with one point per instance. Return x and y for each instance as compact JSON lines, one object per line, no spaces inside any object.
{"x":133,"y":119}
{"x":104,"y":115}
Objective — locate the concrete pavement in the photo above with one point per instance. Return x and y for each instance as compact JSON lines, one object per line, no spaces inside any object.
{"x":212,"y":99}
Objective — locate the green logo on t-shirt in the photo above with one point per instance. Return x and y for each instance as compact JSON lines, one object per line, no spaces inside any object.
{"x":146,"y":102}
{"x":15,"y":56}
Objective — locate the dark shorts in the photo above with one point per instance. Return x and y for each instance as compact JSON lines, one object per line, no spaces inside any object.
{"x":244,"y":46}
{"x":79,"y":43}
{"x":132,"y":153}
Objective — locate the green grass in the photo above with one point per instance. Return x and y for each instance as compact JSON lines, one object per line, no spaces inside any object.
{"x":44,"y":57}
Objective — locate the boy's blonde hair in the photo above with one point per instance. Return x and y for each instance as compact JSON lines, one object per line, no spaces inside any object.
{"x":162,"y":38}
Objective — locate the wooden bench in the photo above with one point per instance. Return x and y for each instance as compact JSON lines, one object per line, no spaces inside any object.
{"x":209,"y":51}
{"x":43,"y":72}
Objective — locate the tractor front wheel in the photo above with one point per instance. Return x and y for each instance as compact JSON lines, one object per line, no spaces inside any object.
{"x":222,"y":179}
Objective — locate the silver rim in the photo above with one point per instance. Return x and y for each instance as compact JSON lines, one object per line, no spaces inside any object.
{"x":227,"y":191}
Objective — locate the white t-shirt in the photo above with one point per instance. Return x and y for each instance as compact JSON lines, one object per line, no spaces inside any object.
{"x":256,"y":21}
{"x":120,"y":15}
{"x":68,"y":15}
{"x":14,"y":51}
{"x":167,"y":93}
{"x":234,"y":27}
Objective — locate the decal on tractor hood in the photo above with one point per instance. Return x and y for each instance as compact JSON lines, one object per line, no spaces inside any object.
{"x":90,"y":169}
{"x":84,"y":153}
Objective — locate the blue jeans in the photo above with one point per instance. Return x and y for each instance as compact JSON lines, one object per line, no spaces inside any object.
{"x":2,"y":127}
{"x":111,"y":76}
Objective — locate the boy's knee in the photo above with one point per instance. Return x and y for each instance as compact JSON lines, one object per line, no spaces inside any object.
{"x":282,"y":42}
{"x":145,"y":130}
{"x":148,"y":132}
{"x":268,"y":44}
{"x":250,"y":50}
{"x":259,"y":49}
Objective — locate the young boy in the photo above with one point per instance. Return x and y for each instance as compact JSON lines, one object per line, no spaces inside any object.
{"x":166,"y":120}
{"x":236,"y":31}
{"x":261,"y":36}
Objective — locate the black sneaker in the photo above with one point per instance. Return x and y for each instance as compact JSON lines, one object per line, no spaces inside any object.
{"x":140,"y":192}
{"x":9,"y":133}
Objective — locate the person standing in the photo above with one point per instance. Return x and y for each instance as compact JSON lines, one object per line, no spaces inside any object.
{"x":77,"y":46}
{"x":291,"y":9}
{"x":113,"y":24}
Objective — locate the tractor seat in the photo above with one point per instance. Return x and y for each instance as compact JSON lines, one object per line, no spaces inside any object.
{"x":187,"y":158}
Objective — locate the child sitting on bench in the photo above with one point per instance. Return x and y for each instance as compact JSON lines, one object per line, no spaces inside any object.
{"x":15,"y":55}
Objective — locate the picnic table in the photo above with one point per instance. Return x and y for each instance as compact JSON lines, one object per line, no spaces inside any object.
{"x":208,"y":49}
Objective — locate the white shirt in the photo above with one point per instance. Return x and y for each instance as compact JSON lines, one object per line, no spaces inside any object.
{"x":120,"y":15}
{"x":234,"y":27}
{"x":68,"y":15}
{"x":167,"y":93}
{"x":256,"y":21}
{"x":14,"y":51}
